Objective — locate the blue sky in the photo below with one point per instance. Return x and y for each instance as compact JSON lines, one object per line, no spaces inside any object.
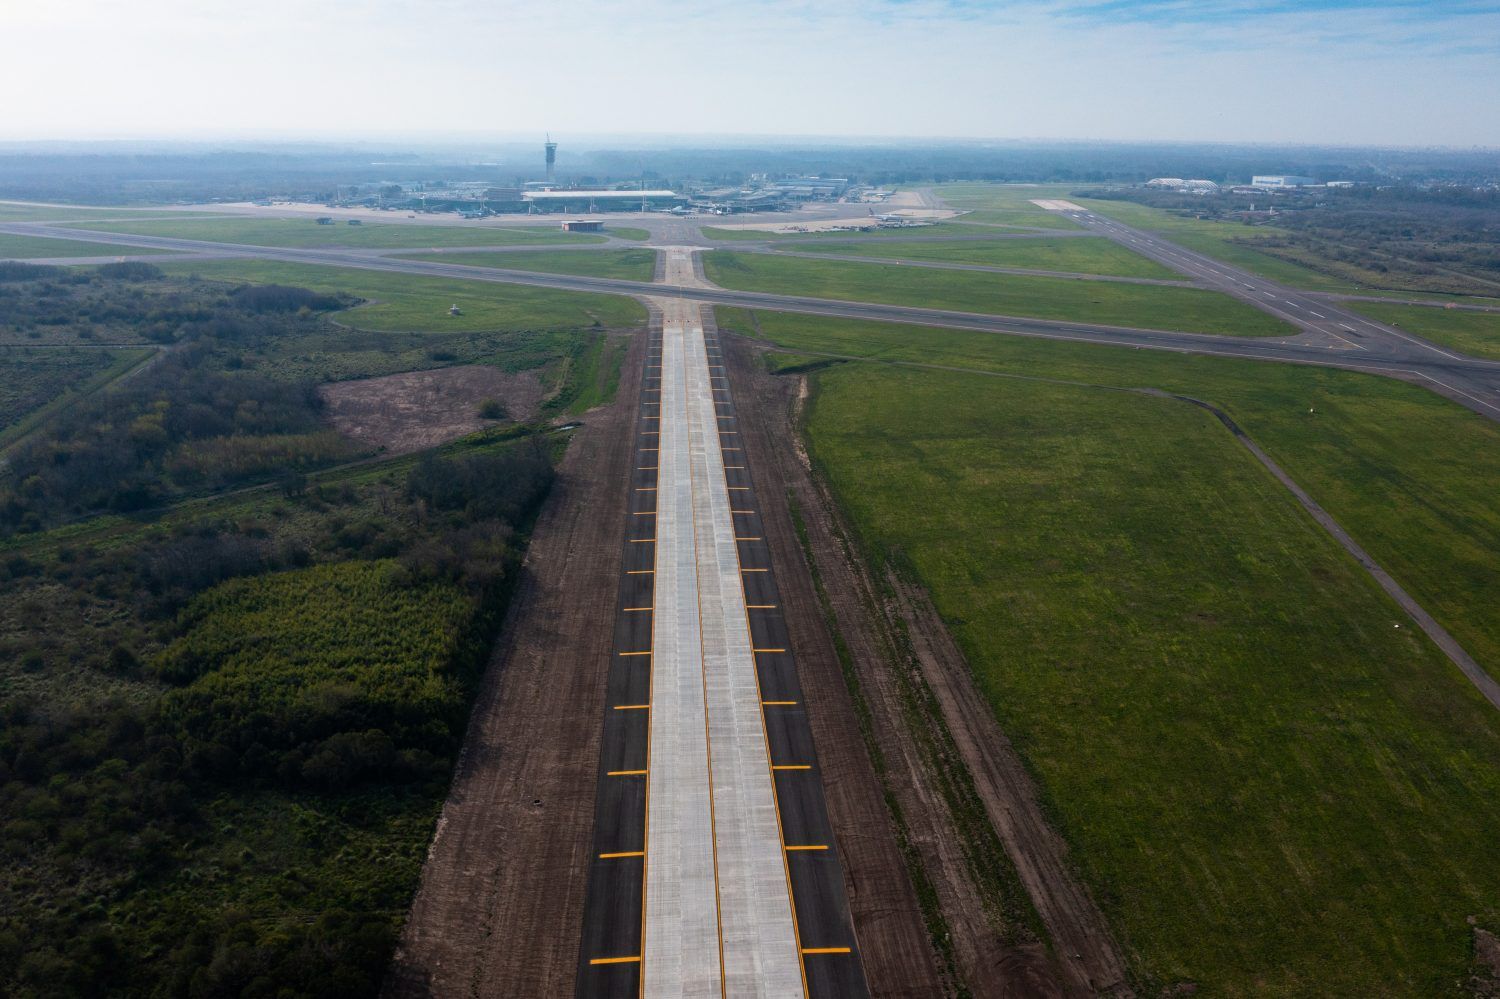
{"x":1328,"y":71}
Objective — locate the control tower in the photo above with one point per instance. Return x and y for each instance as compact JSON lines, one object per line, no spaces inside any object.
{"x":551,"y":148}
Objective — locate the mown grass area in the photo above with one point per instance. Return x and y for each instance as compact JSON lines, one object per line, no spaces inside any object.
{"x":24,"y":211}
{"x":1226,"y":241}
{"x":307,"y":233}
{"x":1474,"y":333}
{"x":34,"y":247}
{"x":626,"y":265}
{"x":1409,"y":474}
{"x":1191,"y":310}
{"x":895,"y":232}
{"x":1080,"y":255}
{"x":628,"y":232}
{"x":1270,"y":787}
{"x":416,"y":302}
{"x":1007,"y":204}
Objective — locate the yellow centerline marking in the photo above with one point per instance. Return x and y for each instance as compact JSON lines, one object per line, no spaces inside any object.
{"x":825,"y":950}
{"x":640,"y":572}
{"x":625,"y":773}
{"x":772,"y":704}
{"x":646,"y":653}
{"x":755,"y":570}
{"x":791,"y":766}
{"x":791,"y":849}
{"x":749,"y":539}
{"x":616,"y":960}
{"x":630,"y":610}
{"x":767,"y":650}
{"x":638,"y":707}
{"x":642,"y":541}
{"x":760,"y":607}
{"x":617,"y":856}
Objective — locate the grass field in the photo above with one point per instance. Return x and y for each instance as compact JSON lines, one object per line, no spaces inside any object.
{"x":1007,"y":204}
{"x":1191,"y":310}
{"x":32,"y":247}
{"x":627,"y":232}
{"x":1473,"y":333}
{"x":414,"y":302}
{"x":306,"y":233}
{"x":627,"y":265}
{"x":1218,"y":240}
{"x":19,"y":211}
{"x":902,"y":232}
{"x":1271,"y":789}
{"x":1079,"y":255}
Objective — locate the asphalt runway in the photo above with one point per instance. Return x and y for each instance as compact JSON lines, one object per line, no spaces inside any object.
{"x":1372,"y":348}
{"x":714,"y":870}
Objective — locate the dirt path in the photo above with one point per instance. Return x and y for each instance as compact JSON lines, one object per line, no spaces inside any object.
{"x":960,"y":788}
{"x":500,"y":903}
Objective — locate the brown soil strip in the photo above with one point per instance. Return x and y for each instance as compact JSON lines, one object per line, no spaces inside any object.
{"x":500,"y":905}
{"x":948,"y":770}
{"x":421,"y":409}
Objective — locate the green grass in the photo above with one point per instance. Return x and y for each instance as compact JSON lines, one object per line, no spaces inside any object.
{"x":626,"y":265}
{"x":413,"y":302}
{"x":1007,"y":204}
{"x":306,"y":233}
{"x":32,"y":247}
{"x":1473,"y":333}
{"x":1221,"y":240}
{"x":1409,"y":474}
{"x":1190,"y":310}
{"x":627,"y":232}
{"x":1079,"y":255}
{"x":1271,"y":789}
{"x":19,"y":211}
{"x":900,"y":232}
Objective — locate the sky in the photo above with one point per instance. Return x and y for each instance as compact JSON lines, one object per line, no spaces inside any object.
{"x":1323,"y":72}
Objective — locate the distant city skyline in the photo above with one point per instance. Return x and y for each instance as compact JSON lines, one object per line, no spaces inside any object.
{"x":1327,"y":72}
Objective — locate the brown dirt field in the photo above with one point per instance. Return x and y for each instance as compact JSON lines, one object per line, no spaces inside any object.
{"x":421,"y":409}
{"x":894,"y":643}
{"x":500,"y":905}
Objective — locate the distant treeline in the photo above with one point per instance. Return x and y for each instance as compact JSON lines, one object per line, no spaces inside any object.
{"x":86,"y":173}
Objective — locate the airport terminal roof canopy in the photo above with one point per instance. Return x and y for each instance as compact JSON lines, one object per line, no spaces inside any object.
{"x":597,"y":195}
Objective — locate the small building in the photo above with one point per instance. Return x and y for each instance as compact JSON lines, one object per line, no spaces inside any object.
{"x":583,"y":225}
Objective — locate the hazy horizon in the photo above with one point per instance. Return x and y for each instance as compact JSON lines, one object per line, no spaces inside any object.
{"x":1328,"y":73}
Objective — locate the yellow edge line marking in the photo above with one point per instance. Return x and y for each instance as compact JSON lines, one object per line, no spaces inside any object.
{"x":791,"y":766}
{"x":640,"y":572}
{"x":749,"y":539}
{"x":645,"y":513}
{"x":616,"y":960}
{"x":642,"y":541}
{"x":755,"y":570}
{"x":825,"y":950}
{"x":617,"y":856}
{"x":789,"y":849}
{"x":646,"y":653}
{"x":630,"y":609}
{"x":760,"y":607}
{"x":642,"y":707}
{"x":625,"y":773}
{"x":768,"y":650}
{"x":770,"y":704}
{"x":645,"y":489}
